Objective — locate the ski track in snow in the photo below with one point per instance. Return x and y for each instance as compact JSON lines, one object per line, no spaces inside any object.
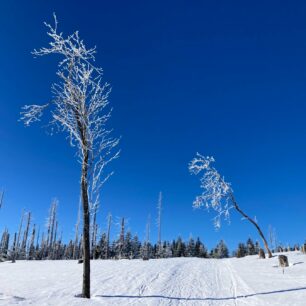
{"x":177,"y":281}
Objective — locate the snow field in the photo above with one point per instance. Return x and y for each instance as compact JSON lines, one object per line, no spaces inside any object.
{"x":175,"y":281}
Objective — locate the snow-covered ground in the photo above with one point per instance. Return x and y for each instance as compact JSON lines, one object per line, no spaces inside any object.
{"x":178,"y":281}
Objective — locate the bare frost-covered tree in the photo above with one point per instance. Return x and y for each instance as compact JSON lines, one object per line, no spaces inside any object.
{"x":159,"y":211}
{"x":80,"y":108}
{"x":218,"y":194}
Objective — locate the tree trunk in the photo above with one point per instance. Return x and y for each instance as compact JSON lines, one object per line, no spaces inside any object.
{"x":18,"y":237}
{"x":86,"y":228}
{"x":14,"y":248}
{"x":159,"y":207}
{"x":121,"y":240}
{"x":254,"y":223}
{"x":76,"y":240}
{"x":108,"y":233}
{"x":94,"y":232}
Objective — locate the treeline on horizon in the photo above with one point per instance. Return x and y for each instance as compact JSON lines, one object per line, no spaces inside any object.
{"x":29,"y":244}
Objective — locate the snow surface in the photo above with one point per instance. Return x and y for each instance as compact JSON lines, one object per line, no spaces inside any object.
{"x":176,"y":281}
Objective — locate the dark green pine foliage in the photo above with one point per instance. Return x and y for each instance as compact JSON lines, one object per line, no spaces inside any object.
{"x":203,"y":251}
{"x":180,"y":248}
{"x":191,"y":248}
{"x":103,"y":246}
{"x":257,"y":247}
{"x":221,"y":250}
{"x":250,"y":247}
{"x":242,"y":250}
{"x":136,"y":247}
{"x":127,"y":246}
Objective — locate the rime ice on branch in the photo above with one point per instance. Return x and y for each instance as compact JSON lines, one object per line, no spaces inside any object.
{"x":80,"y":108}
{"x":217,"y":193}
{"x":80,"y":100}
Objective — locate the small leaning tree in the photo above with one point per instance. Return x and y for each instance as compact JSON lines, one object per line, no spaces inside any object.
{"x":79,"y":107}
{"x":217,"y":194}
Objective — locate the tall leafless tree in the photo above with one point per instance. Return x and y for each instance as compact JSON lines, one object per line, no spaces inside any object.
{"x":80,"y":108}
{"x":109,"y":222}
{"x":31,"y":253}
{"x":51,"y":226}
{"x":25,"y":237}
{"x":159,"y":210}
{"x":146,"y":254}
{"x":16,"y":248}
{"x":121,"y":239}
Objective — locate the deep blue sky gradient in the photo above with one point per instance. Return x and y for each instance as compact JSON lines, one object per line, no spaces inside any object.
{"x":225,"y":78}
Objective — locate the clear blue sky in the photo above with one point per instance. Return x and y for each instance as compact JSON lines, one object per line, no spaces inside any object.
{"x":223,"y":78}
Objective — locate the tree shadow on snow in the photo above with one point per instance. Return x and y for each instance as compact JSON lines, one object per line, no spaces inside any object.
{"x":199,"y":298}
{"x":298,"y":263}
{"x":12,"y":298}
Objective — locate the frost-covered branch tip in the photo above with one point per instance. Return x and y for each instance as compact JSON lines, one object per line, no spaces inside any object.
{"x":32,"y":113}
{"x":72,"y":47}
{"x":216,"y":192}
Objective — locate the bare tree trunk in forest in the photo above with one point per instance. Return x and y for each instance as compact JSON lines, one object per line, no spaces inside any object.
{"x":37,"y":239}
{"x":76,"y":240}
{"x":121,"y":239}
{"x":54,"y":242}
{"x":48,"y":232}
{"x":32,"y":246}
{"x":159,"y":208}
{"x":108,"y":234}
{"x":14,"y":248}
{"x":148,"y":237}
{"x":86,"y":226}
{"x":254,"y":223}
{"x":25,"y":237}
{"x":43,"y":246}
{"x":52,"y":221}
{"x":272,"y":237}
{"x":18,"y":237}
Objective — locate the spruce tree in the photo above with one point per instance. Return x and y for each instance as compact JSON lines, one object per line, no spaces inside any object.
{"x":191,"y":248}
{"x":221,"y":250}
{"x":127,"y":246}
{"x":250,"y":247}
{"x":241,"y":251}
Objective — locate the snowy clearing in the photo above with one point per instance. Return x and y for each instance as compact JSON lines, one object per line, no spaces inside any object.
{"x":176,"y":281}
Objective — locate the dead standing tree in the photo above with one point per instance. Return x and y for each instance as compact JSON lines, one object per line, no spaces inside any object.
{"x":109,"y":222}
{"x":159,"y":210}
{"x":79,"y":108}
{"x":218,"y":194}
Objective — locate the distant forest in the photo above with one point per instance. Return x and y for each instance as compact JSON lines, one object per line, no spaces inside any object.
{"x":29,"y":243}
